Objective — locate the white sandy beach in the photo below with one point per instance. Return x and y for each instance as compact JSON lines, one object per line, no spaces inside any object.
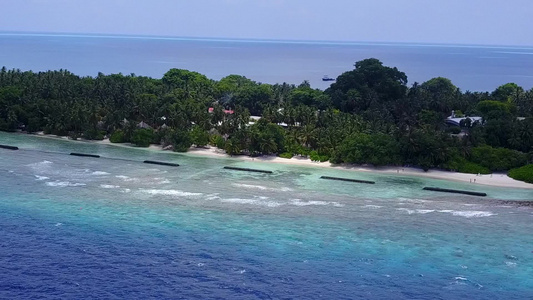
{"x":500,"y":180}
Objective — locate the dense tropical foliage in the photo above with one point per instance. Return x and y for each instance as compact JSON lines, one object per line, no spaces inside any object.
{"x":369,"y":115}
{"x":524,"y":173}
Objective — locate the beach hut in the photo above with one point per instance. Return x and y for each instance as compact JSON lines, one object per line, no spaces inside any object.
{"x":143,"y":125}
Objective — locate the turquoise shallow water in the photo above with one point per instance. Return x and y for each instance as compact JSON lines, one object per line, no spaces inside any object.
{"x":105,"y":228}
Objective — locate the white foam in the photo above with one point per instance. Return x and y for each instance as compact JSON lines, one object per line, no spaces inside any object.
{"x":99,"y":173}
{"x":468,"y":213}
{"x":126,"y":178}
{"x":410,"y":200}
{"x":126,"y":190}
{"x":473,"y":214}
{"x":461,"y":278}
{"x":459,"y":213}
{"x":260,"y":187}
{"x":41,"y":177}
{"x":298,"y":202}
{"x":409,"y":211}
{"x":161,"y":180}
{"x":109,"y":186}
{"x":469,"y":204}
{"x":64,"y":184}
{"x":510,"y":264}
{"x":424,"y":211}
{"x":250,"y":186}
{"x":212,"y":197}
{"x":416,"y":211}
{"x":373,"y":206}
{"x":45,"y":164}
{"x":252,"y":202}
{"x":175,"y":193}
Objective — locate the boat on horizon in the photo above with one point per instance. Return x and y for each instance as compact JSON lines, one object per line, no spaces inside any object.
{"x":327,"y":78}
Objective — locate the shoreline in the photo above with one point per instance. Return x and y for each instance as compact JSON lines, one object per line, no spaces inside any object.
{"x":495,"y":179}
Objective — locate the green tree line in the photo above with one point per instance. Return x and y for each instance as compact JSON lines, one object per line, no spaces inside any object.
{"x":369,"y":115}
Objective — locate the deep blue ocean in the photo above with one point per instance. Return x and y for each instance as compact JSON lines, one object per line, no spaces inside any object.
{"x":474,"y":68}
{"x":115,"y":228}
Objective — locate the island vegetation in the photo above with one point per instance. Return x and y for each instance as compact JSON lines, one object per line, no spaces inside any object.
{"x":369,"y":115}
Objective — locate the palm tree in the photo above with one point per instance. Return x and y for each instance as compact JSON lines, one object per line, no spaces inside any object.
{"x":268,"y":146}
{"x":232,"y":147}
{"x":307,"y":135}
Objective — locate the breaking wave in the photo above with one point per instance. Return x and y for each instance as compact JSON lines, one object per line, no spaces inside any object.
{"x":40,"y":166}
{"x":459,"y":213}
{"x":260,"y":187}
{"x":411,"y":200}
{"x":99,"y":173}
{"x":64,"y":184}
{"x":41,"y":177}
{"x":298,"y":202}
{"x":126,"y":178}
{"x":258,"y":201}
{"x":473,"y":214}
{"x":373,"y":206}
{"x":109,"y":186}
{"x":175,"y":193}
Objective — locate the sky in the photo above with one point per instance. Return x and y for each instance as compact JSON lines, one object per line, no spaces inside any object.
{"x":479,"y":22}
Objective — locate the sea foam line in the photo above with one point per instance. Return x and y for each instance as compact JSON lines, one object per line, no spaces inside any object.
{"x":98,"y":173}
{"x":298,"y":202}
{"x":473,"y":214}
{"x":176,"y":193}
{"x":64,"y":184}
{"x":258,"y":202}
{"x":260,"y":187}
{"x":109,"y":186}
{"x":459,"y":213}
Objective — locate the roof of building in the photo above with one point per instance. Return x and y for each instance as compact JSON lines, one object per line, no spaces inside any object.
{"x":226,"y":111}
{"x":457,"y":121}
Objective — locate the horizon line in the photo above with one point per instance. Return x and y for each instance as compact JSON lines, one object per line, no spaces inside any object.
{"x":258,"y":40}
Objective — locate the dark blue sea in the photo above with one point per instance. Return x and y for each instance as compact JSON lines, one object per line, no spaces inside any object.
{"x":474,"y":68}
{"x":115,"y":228}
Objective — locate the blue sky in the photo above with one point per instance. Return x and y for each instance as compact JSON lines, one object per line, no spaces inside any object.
{"x":488,"y":22}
